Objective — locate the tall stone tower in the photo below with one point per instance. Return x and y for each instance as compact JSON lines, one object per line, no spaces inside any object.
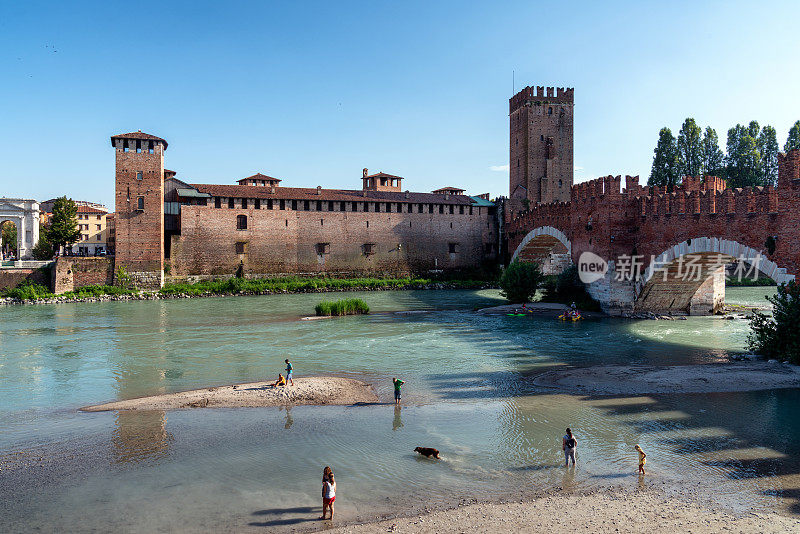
{"x":540,"y":168}
{"x":140,"y":207}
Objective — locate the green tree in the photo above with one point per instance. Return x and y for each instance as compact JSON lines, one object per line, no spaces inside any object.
{"x":689,"y":149}
{"x":712,"y":160}
{"x":520,"y":280}
{"x":743,"y":161}
{"x":8,"y":241}
{"x":768,"y":147}
{"x":63,"y":230}
{"x":664,"y":172}
{"x":793,"y":141}
{"x":43,"y":249}
{"x":778,"y":336}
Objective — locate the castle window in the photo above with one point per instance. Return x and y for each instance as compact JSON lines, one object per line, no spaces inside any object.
{"x":470,"y":210}
{"x":140,"y":204}
{"x":138,"y":175}
{"x":323,"y":248}
{"x":559,"y":183}
{"x":369,"y":249}
{"x":282,"y":204}
{"x":125,"y":145}
{"x":257,"y":203}
{"x":354,"y":206}
{"x":550,"y":111}
{"x":420,"y":208}
{"x":217,"y":202}
{"x":441,"y":208}
{"x":399,"y":207}
{"x":230,"y":203}
{"x":138,"y":147}
{"x":453,"y":248}
{"x":269,"y":204}
{"x":452,"y":209}
{"x":461,"y":210}
{"x":150,"y":149}
{"x":241,"y":247}
{"x":330,"y":205}
{"x":319,"y":205}
{"x":294,"y":205}
{"x":517,"y":162}
{"x":241,"y":222}
{"x":377,"y":207}
{"x":342,"y":206}
{"x":366,"y":206}
{"x":244,"y":203}
{"x":306,"y":205}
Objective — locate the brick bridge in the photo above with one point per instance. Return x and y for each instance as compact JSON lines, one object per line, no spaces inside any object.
{"x":693,"y":230}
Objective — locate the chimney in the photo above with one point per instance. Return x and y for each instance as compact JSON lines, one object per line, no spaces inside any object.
{"x":365,"y":172}
{"x":319,"y":189}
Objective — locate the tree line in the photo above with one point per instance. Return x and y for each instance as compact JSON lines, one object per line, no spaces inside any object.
{"x":751,"y":158}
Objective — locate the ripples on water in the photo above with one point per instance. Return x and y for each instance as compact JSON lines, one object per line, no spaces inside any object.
{"x":468,"y":393}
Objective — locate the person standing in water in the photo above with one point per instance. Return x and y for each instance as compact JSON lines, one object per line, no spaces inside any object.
{"x":328,"y":492}
{"x":642,"y":459}
{"x":397,"y":384}
{"x":568,"y":445}
{"x":289,"y":372}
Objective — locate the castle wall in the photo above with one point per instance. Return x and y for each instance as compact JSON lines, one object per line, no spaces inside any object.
{"x":70,"y":273}
{"x":286,"y":241}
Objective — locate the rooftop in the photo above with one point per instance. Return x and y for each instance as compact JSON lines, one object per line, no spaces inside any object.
{"x":138,"y":135}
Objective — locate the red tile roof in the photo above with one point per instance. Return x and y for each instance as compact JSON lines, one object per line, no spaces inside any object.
{"x":452,"y":190}
{"x":259,"y":176}
{"x":347,"y":195}
{"x":138,"y":135}
{"x":89,"y":209}
{"x":382,"y":175}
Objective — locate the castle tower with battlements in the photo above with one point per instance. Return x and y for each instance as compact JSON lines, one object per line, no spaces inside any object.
{"x":541,"y":165}
{"x":139,"y":188}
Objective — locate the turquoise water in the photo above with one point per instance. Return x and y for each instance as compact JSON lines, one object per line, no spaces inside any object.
{"x":468,"y":392}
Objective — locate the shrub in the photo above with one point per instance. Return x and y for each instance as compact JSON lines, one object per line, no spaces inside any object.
{"x":122,"y":278}
{"x":342,"y":307}
{"x":28,"y":290}
{"x":43,"y":250}
{"x":520,"y":281}
{"x":97,"y":291}
{"x":778,"y":336}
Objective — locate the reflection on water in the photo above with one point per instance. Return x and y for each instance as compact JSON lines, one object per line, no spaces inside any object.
{"x":140,"y":435}
{"x":469,"y":393}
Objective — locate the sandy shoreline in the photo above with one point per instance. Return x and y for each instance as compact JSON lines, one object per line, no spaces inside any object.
{"x":609,"y":510}
{"x":647,"y":379}
{"x":320,"y":390}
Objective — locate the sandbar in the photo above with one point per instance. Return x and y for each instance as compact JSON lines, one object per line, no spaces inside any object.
{"x":644,"y":379}
{"x":318,"y":390}
{"x":601,"y":511}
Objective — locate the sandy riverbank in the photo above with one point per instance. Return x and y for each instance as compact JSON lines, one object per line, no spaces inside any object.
{"x":319,"y":390}
{"x":604,"y":511}
{"x":646,"y":379}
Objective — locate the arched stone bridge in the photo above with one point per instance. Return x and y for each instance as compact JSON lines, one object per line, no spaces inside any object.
{"x":667,"y":252}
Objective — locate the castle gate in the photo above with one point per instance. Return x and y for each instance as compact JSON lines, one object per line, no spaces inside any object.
{"x":25,"y":215}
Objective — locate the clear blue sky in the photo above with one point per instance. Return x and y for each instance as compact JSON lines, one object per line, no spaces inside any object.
{"x":312,"y":92}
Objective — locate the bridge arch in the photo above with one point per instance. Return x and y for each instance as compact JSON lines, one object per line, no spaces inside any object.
{"x":547,"y":246}
{"x":690,"y":276}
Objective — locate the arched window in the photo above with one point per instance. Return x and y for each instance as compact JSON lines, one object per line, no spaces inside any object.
{"x":241,"y":222}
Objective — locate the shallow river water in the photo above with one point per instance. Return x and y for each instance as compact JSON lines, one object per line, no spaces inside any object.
{"x":468,"y":392}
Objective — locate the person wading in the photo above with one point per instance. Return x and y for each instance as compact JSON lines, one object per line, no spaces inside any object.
{"x":568,"y":445}
{"x":328,"y":491}
{"x":397,"y":384}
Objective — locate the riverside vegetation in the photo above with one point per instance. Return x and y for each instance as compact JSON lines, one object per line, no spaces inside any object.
{"x":29,"y":291}
{"x":342,"y":307}
{"x":776,"y":336}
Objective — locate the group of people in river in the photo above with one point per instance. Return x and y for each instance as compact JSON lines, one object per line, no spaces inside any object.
{"x":569,"y":443}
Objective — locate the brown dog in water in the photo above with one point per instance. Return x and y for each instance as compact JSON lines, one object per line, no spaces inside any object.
{"x":427,"y":452}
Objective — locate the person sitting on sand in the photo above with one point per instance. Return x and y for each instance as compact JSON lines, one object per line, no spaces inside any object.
{"x":280,"y":382}
{"x":568,"y":445}
{"x":328,"y":494}
{"x":289,"y":369}
{"x":642,"y":458}
{"x":397,"y":383}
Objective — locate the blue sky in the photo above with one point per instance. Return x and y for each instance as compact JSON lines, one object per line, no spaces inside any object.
{"x":312,"y":92}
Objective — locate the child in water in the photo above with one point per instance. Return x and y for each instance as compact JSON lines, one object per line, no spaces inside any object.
{"x":642,"y":458}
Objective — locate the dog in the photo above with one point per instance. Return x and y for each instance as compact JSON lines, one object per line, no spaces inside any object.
{"x":427,"y":452}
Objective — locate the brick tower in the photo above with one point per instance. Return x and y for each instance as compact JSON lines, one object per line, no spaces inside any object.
{"x":140,"y":207}
{"x":540,"y":168}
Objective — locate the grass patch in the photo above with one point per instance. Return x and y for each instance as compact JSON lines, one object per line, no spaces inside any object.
{"x":98,"y":291}
{"x":256,"y":286}
{"x":342,"y":307}
{"x":749,"y":282}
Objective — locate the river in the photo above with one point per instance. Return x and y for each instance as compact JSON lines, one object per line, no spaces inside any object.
{"x":468,"y":392}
